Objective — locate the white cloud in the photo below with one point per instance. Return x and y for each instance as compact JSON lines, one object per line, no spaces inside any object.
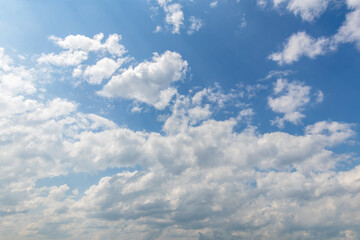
{"x":195,"y":26}
{"x":18,"y":81}
{"x":189,"y":111}
{"x":79,"y":42}
{"x":208,"y":180}
{"x":136,"y":109}
{"x":197,"y":177}
{"x":86,"y":44}
{"x":335,"y":132}
{"x":261,"y":3}
{"x":278,"y":2}
{"x":78,"y":71}
{"x":243,"y":22}
{"x":78,"y":46}
{"x":5,"y":61}
{"x":150,"y":81}
{"x":190,"y":181}
{"x":103,"y":69}
{"x":113,"y":46}
{"x":214,"y":4}
{"x":199,"y":113}
{"x":53,"y":109}
{"x":298,"y":45}
{"x":158,"y":29}
{"x":165,"y":97}
{"x":174,"y":16}
{"x":163,"y":2}
{"x":214,"y":95}
{"x":353,"y":3}
{"x":319,"y":96}
{"x":301,"y":44}
{"x":350,"y":30}
{"x":66,"y":58}
{"x":15,"y":84}
{"x":277,"y":74}
{"x":246,"y":115}
{"x":290,"y":100}
{"x":308,"y":9}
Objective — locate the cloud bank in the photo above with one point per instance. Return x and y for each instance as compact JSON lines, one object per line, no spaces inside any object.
{"x":199,"y":178}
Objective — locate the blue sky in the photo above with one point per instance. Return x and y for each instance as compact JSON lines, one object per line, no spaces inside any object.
{"x":179,"y":119}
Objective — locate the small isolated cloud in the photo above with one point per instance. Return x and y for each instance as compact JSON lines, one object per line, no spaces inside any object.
{"x":195,"y":25}
{"x":158,"y":29}
{"x":298,"y":45}
{"x":214,"y":4}
{"x":136,"y":109}
{"x":319,"y":96}
{"x":277,"y":74}
{"x":290,"y":98}
{"x":243,"y":23}
{"x":150,"y":81}
{"x":174,"y":15}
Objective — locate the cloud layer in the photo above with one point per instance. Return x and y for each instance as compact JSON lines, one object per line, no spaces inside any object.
{"x":201,"y":176}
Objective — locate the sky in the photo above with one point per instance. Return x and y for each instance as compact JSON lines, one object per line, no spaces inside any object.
{"x":179,"y":119}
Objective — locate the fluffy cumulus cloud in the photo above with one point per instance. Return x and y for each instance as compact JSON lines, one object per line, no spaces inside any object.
{"x":174,"y":14}
{"x":77,"y":48}
{"x":150,"y":81}
{"x":174,"y":17}
{"x":201,"y":182}
{"x":290,"y":99}
{"x":308,"y":10}
{"x":104,"y":68}
{"x":67,"y":58}
{"x":350,"y":30}
{"x":200,"y":178}
{"x":86,"y":44}
{"x":299,"y":45}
